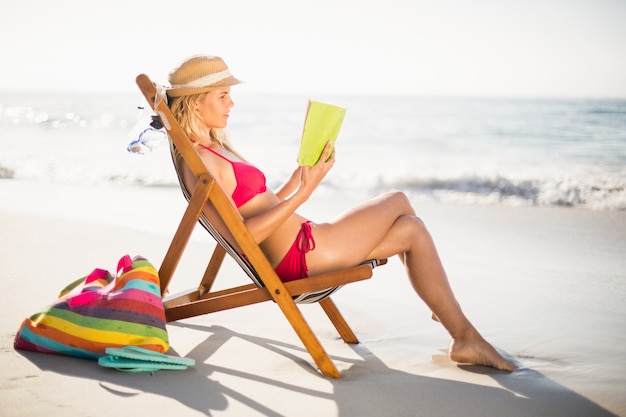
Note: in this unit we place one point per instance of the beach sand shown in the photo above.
(544, 285)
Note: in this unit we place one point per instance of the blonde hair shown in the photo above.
(183, 110)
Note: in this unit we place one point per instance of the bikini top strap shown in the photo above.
(217, 153)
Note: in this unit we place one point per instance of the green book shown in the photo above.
(321, 124)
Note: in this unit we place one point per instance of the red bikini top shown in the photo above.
(250, 180)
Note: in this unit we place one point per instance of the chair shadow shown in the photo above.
(368, 386)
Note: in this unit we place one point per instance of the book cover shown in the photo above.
(321, 124)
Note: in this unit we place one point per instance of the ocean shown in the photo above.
(515, 152)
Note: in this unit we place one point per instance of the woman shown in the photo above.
(200, 99)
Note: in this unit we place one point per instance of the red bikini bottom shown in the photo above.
(293, 266)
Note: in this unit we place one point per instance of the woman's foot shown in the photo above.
(475, 350)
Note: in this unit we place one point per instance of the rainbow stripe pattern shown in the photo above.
(101, 311)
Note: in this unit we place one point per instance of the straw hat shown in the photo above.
(199, 74)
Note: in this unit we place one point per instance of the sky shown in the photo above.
(523, 48)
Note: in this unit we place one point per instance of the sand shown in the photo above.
(544, 285)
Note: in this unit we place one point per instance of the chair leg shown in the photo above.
(211, 270)
(308, 338)
(338, 321)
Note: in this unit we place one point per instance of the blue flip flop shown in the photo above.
(136, 359)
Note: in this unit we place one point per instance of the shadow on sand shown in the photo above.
(360, 392)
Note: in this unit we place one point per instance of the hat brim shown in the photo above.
(188, 91)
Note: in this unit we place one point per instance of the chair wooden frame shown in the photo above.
(201, 300)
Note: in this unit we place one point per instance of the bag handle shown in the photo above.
(83, 296)
(124, 265)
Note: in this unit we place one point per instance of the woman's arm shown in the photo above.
(291, 185)
(262, 224)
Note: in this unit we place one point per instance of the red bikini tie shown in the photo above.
(306, 243)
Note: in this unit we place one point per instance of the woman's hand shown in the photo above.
(305, 179)
(312, 176)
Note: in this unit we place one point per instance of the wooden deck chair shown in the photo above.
(208, 205)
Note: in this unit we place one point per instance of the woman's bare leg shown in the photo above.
(430, 281)
(386, 227)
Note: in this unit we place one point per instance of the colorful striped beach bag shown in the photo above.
(101, 311)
